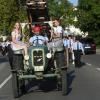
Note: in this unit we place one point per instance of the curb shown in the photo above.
(98, 50)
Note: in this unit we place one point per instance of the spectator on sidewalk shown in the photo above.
(70, 43)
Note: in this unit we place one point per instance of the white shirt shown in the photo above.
(58, 29)
(74, 46)
(57, 32)
(65, 42)
(70, 43)
(41, 39)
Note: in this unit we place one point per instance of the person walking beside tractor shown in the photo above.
(70, 42)
(77, 48)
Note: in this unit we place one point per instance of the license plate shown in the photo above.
(87, 47)
(38, 68)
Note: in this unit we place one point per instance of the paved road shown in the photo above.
(83, 83)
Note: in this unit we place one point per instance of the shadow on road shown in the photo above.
(81, 64)
(70, 78)
(3, 59)
(41, 85)
(49, 84)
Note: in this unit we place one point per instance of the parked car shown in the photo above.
(89, 45)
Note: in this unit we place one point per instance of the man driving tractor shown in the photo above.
(37, 38)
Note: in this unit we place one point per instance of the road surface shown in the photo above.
(83, 83)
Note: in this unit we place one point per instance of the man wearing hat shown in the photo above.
(37, 38)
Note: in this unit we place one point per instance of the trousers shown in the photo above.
(77, 55)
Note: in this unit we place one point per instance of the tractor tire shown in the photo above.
(64, 82)
(17, 85)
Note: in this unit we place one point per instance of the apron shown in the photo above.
(56, 45)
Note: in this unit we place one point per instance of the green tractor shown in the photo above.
(43, 63)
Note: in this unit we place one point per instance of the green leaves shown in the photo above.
(9, 13)
(61, 9)
(89, 17)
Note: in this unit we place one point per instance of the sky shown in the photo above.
(75, 2)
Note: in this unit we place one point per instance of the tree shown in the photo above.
(61, 9)
(13, 10)
(89, 18)
(10, 12)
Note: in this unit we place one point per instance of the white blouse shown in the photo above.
(77, 46)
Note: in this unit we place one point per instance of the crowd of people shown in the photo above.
(75, 49)
(57, 38)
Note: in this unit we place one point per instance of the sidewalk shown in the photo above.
(98, 50)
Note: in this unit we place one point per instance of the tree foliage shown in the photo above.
(61, 9)
(13, 10)
(10, 12)
(89, 17)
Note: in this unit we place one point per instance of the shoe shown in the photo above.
(27, 63)
(26, 57)
(73, 62)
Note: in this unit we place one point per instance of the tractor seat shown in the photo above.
(16, 50)
(20, 51)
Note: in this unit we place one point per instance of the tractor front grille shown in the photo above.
(38, 58)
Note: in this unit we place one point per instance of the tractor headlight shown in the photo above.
(49, 55)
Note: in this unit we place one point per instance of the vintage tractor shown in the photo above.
(43, 62)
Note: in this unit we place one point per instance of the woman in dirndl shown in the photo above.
(16, 43)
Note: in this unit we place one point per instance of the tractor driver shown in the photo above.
(37, 38)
